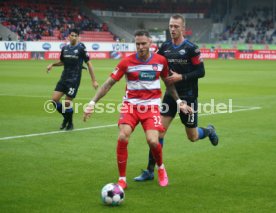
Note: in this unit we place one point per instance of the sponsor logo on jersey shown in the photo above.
(147, 75)
(71, 56)
(179, 61)
(182, 52)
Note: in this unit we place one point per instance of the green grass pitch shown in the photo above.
(43, 169)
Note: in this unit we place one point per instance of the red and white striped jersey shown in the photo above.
(142, 78)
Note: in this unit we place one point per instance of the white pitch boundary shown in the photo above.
(107, 126)
(49, 97)
(79, 98)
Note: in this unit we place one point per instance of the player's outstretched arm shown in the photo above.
(103, 90)
(50, 66)
(92, 74)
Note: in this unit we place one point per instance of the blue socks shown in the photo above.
(161, 140)
(202, 132)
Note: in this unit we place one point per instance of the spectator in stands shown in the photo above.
(254, 26)
(26, 19)
(104, 27)
(116, 38)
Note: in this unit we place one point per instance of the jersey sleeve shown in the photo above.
(61, 57)
(195, 55)
(84, 53)
(198, 66)
(160, 51)
(119, 71)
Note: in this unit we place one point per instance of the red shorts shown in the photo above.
(149, 116)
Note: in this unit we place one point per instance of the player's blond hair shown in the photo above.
(178, 16)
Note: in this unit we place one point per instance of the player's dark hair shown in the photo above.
(74, 31)
(142, 33)
(178, 16)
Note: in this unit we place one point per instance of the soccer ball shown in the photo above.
(112, 194)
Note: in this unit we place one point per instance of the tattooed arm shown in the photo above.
(104, 89)
(100, 93)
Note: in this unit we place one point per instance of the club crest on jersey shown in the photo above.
(182, 52)
(147, 75)
(76, 51)
(155, 67)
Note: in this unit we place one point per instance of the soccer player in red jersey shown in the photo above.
(141, 102)
(186, 67)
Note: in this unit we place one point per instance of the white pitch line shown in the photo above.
(56, 132)
(237, 110)
(105, 100)
(49, 97)
(107, 126)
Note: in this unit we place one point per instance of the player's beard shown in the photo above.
(143, 54)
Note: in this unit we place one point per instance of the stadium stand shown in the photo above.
(223, 21)
(50, 21)
(252, 26)
(153, 6)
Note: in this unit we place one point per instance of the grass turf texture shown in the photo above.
(65, 172)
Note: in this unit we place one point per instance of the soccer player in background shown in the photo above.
(141, 102)
(186, 67)
(72, 57)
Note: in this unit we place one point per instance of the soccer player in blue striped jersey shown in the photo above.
(186, 67)
(72, 57)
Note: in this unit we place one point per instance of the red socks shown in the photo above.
(122, 155)
(157, 154)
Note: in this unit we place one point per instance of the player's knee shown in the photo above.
(162, 134)
(152, 142)
(67, 103)
(123, 136)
